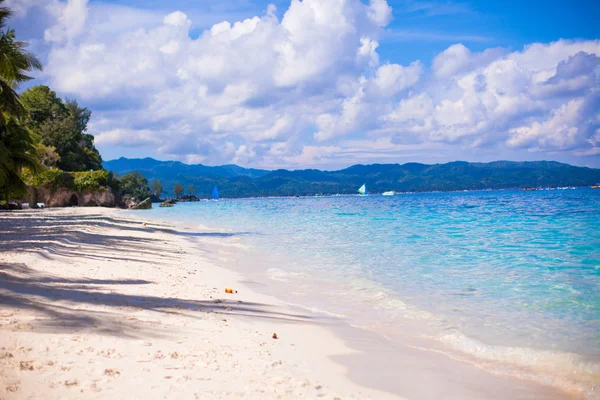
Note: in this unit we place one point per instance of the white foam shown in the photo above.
(281, 275)
(567, 371)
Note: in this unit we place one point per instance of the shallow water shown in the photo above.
(505, 275)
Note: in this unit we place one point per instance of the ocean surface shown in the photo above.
(510, 277)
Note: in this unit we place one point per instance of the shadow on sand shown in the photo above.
(62, 304)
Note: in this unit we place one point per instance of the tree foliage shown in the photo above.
(133, 186)
(157, 188)
(177, 190)
(17, 151)
(86, 180)
(17, 145)
(62, 126)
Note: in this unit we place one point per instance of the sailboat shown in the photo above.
(363, 190)
(215, 193)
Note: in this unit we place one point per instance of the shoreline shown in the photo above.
(97, 304)
(178, 309)
(389, 317)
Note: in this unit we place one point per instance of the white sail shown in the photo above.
(363, 189)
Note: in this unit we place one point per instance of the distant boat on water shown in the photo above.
(389, 193)
(363, 190)
(596, 186)
(215, 193)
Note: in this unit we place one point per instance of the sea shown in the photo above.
(500, 278)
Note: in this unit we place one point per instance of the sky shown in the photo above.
(325, 83)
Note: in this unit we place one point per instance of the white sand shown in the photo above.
(93, 304)
(96, 305)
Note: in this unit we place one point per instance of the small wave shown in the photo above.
(278, 274)
(380, 298)
(566, 371)
(315, 310)
(223, 243)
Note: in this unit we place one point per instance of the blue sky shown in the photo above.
(326, 83)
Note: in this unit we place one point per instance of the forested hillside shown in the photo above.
(234, 181)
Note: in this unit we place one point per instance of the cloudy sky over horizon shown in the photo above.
(325, 83)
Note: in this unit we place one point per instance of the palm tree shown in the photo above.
(17, 146)
(17, 151)
(15, 63)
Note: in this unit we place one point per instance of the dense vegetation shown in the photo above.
(378, 177)
(61, 127)
(78, 181)
(132, 187)
(17, 144)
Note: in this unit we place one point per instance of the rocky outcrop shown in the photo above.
(168, 203)
(63, 197)
(143, 205)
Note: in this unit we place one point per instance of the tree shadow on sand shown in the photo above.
(72, 235)
(62, 304)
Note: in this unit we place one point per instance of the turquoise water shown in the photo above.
(501, 268)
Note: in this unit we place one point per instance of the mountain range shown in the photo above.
(236, 181)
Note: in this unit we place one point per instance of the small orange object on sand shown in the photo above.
(230, 290)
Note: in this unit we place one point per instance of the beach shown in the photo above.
(100, 303)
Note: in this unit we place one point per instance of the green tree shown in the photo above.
(177, 190)
(17, 151)
(15, 64)
(157, 188)
(134, 186)
(47, 155)
(63, 126)
(17, 145)
(191, 189)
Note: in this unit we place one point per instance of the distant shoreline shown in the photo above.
(238, 182)
(380, 194)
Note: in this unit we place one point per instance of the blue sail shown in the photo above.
(215, 193)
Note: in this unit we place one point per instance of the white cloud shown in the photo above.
(300, 90)
(380, 12)
(509, 100)
(567, 125)
(177, 18)
(70, 18)
(127, 137)
(20, 8)
(360, 110)
(391, 79)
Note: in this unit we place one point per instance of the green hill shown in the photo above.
(235, 181)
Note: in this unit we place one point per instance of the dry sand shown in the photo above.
(96, 304)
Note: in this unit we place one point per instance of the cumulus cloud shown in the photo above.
(70, 20)
(126, 137)
(512, 99)
(300, 89)
(360, 110)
